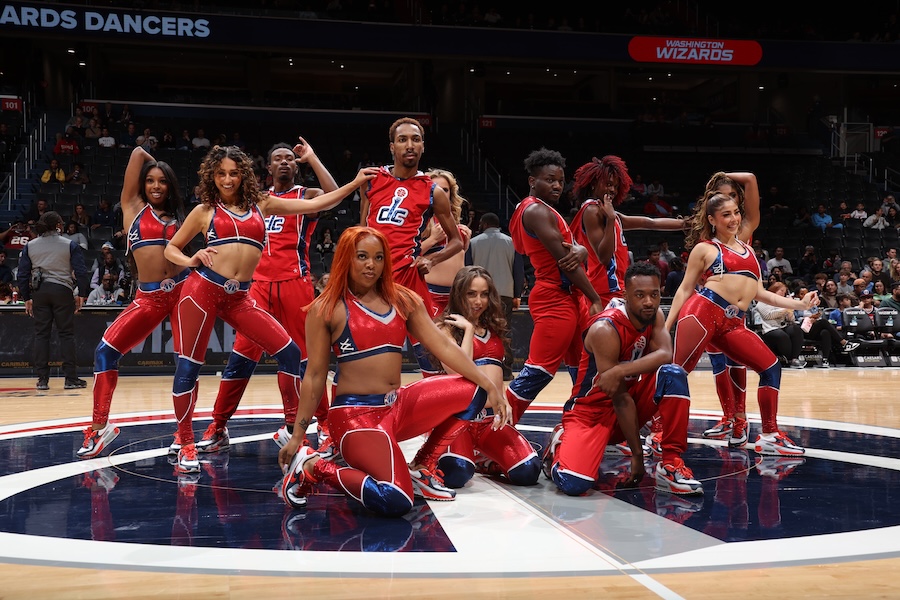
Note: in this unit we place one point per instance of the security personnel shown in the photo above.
(46, 285)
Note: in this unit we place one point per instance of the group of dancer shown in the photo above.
(591, 312)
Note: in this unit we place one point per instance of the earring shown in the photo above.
(713, 229)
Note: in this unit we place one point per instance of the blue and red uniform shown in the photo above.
(607, 280)
(208, 295)
(556, 309)
(367, 428)
(708, 319)
(506, 447)
(589, 418)
(282, 287)
(153, 301)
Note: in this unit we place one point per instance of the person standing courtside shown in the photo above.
(494, 250)
(45, 284)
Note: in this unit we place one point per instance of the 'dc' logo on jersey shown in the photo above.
(393, 214)
(274, 223)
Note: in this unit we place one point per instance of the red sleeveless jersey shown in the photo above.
(545, 268)
(368, 333)
(286, 255)
(608, 280)
(148, 229)
(227, 227)
(400, 209)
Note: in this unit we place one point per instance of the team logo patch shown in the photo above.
(731, 311)
(390, 397)
(231, 286)
(167, 285)
(640, 343)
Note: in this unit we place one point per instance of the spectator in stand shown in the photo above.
(126, 116)
(836, 316)
(81, 217)
(761, 259)
(200, 141)
(654, 259)
(841, 213)
(36, 211)
(819, 280)
(822, 220)
(876, 220)
(894, 300)
(832, 263)
(828, 294)
(77, 114)
(780, 331)
(775, 276)
(103, 216)
(325, 247)
(78, 175)
(76, 236)
(184, 142)
(657, 207)
(53, 173)
(6, 293)
(236, 140)
(772, 201)
(106, 140)
(129, 138)
(92, 133)
(802, 218)
(657, 188)
(879, 274)
(860, 212)
(780, 261)
(675, 277)
(108, 116)
(638, 187)
(845, 281)
(860, 286)
(892, 217)
(17, 235)
(108, 293)
(107, 264)
(890, 202)
(880, 293)
(808, 265)
(894, 270)
(167, 141)
(757, 245)
(664, 252)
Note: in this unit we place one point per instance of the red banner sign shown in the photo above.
(695, 51)
(11, 103)
(487, 122)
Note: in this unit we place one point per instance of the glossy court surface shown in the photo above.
(824, 525)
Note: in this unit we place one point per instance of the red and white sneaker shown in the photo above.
(676, 478)
(720, 430)
(653, 444)
(187, 459)
(282, 436)
(96, 441)
(777, 444)
(175, 446)
(778, 467)
(214, 439)
(430, 485)
(297, 483)
(739, 433)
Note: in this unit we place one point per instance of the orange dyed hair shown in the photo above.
(401, 298)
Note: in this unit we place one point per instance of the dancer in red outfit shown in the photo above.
(399, 202)
(625, 376)
(539, 232)
(601, 185)
(152, 209)
(715, 313)
(281, 286)
(232, 218)
(365, 317)
(474, 319)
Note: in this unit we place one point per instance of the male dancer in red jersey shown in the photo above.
(539, 232)
(399, 203)
(281, 286)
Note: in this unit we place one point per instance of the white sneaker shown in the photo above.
(282, 436)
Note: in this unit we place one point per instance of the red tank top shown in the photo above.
(608, 280)
(545, 268)
(286, 255)
(729, 261)
(400, 209)
(487, 349)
